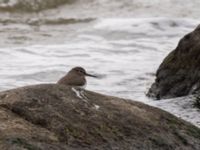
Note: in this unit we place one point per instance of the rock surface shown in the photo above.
(179, 73)
(197, 101)
(53, 117)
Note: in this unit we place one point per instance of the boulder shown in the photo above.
(197, 101)
(58, 117)
(179, 73)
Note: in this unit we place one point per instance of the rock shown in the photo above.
(197, 101)
(179, 73)
(53, 117)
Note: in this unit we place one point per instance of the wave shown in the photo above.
(100, 8)
(58, 21)
(44, 21)
(31, 5)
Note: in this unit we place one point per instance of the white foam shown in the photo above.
(182, 107)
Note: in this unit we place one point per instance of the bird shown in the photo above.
(76, 77)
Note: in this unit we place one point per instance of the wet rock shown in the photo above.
(179, 73)
(52, 117)
(197, 101)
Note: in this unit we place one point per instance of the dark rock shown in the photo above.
(52, 117)
(197, 101)
(179, 73)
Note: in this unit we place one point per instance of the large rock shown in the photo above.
(179, 73)
(53, 117)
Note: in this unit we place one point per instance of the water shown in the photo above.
(119, 40)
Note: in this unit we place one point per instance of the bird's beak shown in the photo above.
(90, 75)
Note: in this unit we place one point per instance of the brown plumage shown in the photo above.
(75, 77)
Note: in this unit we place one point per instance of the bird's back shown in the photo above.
(72, 80)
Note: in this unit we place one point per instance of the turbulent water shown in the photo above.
(122, 41)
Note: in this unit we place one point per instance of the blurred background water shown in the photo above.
(123, 41)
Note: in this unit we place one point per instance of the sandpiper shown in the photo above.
(76, 78)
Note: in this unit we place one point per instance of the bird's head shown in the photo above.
(81, 71)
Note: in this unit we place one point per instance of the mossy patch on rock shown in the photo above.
(20, 143)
